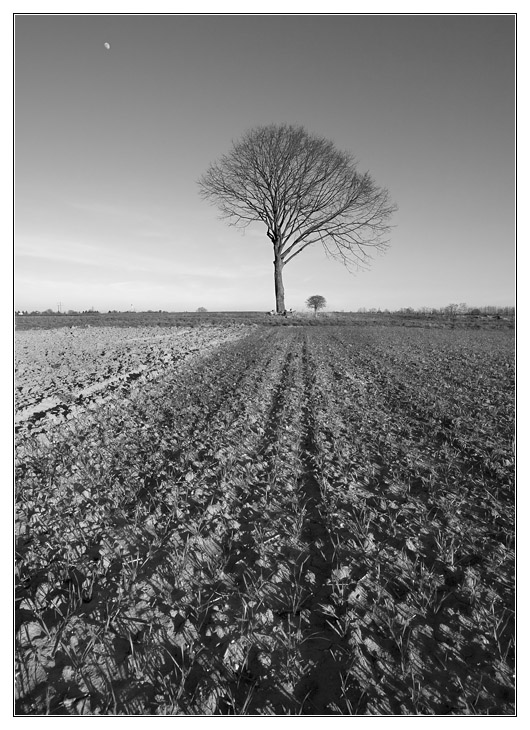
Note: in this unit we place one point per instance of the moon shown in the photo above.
(107, 46)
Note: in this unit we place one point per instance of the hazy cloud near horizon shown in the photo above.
(110, 143)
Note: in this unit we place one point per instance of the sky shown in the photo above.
(109, 145)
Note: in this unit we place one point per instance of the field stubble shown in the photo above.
(303, 521)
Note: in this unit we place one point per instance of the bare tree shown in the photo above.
(316, 302)
(304, 191)
(451, 310)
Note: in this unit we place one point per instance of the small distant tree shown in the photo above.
(202, 309)
(316, 302)
(451, 309)
(450, 312)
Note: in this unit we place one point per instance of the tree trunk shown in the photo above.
(278, 285)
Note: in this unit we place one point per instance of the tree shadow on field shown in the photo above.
(324, 651)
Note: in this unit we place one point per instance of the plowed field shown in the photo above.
(294, 521)
(61, 373)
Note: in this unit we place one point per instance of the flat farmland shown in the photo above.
(62, 373)
(269, 521)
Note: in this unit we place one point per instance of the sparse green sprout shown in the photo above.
(293, 523)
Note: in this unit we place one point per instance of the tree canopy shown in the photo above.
(304, 191)
(316, 302)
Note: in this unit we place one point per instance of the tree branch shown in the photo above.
(304, 191)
